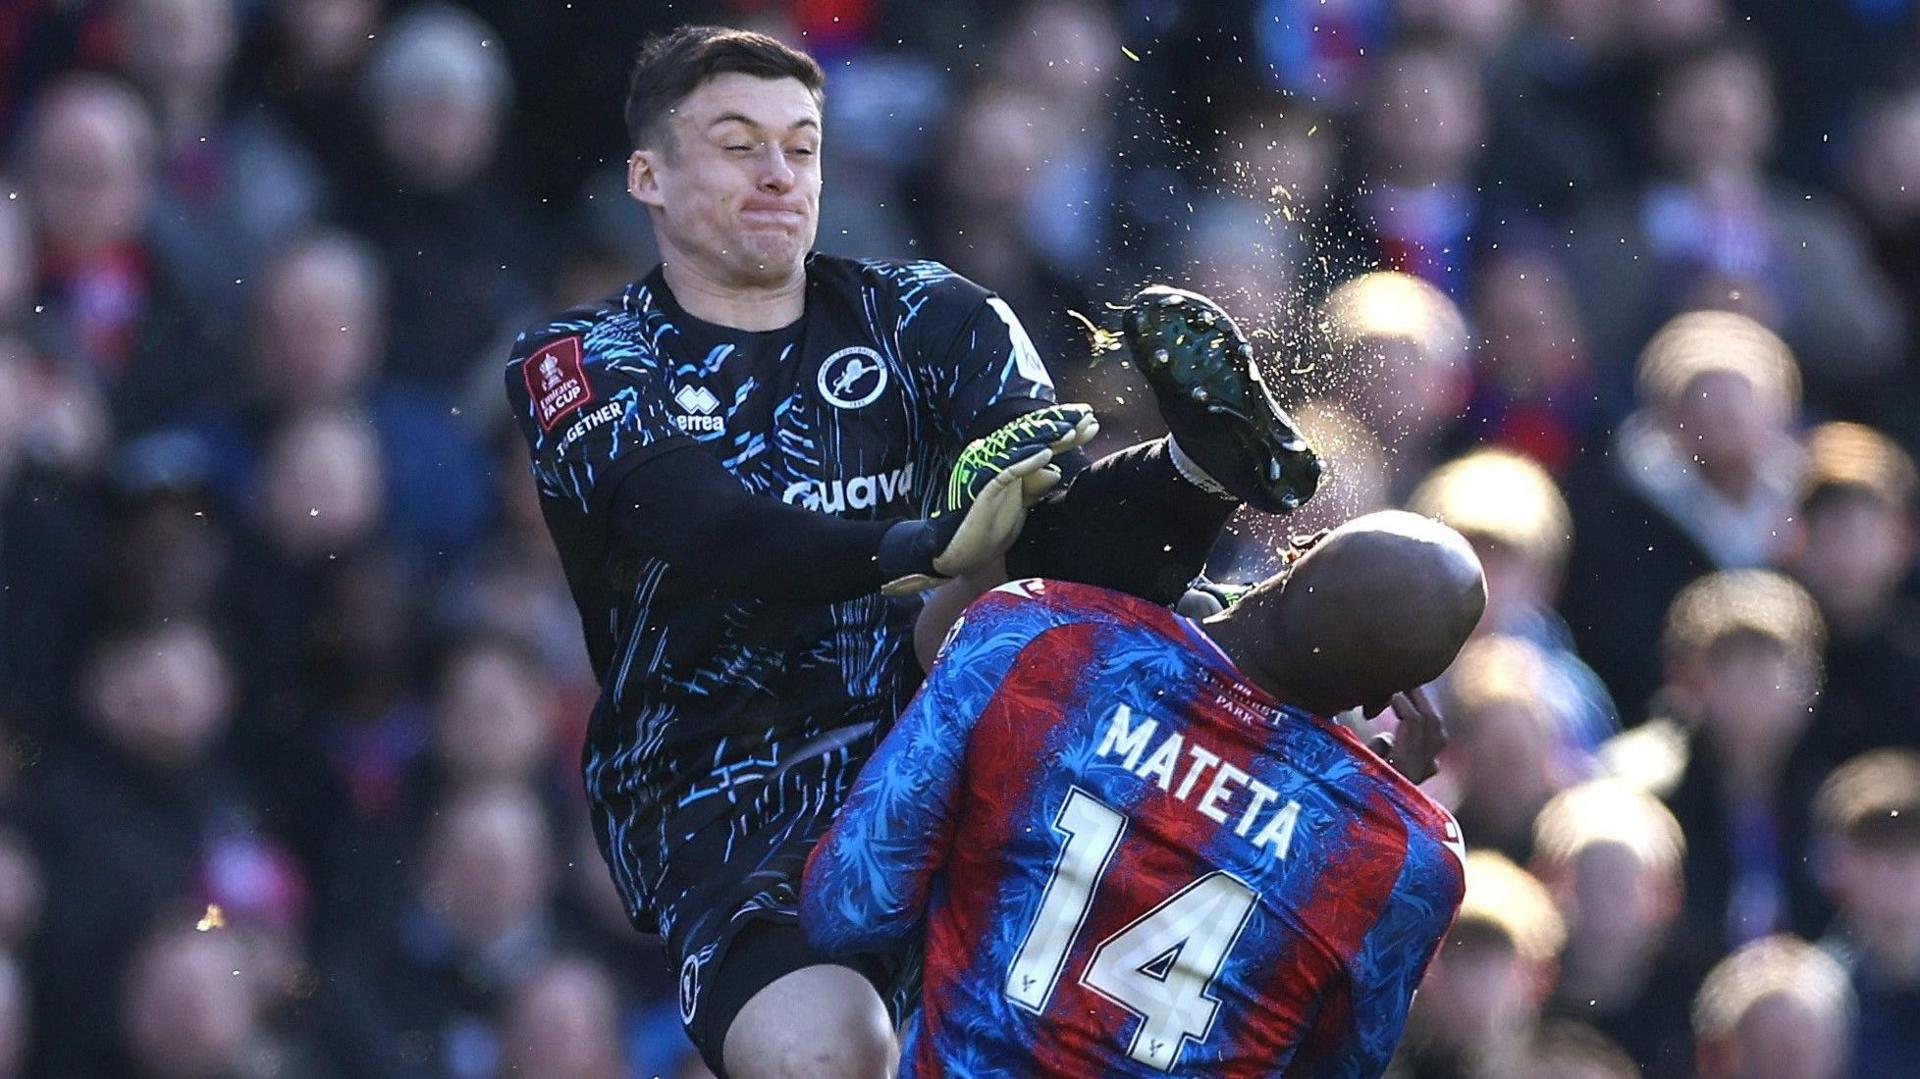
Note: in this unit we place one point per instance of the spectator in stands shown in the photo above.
(318, 343)
(562, 1021)
(461, 257)
(232, 182)
(1420, 143)
(188, 1016)
(1868, 814)
(113, 307)
(1568, 1050)
(1778, 1008)
(57, 419)
(1480, 1002)
(1716, 232)
(309, 62)
(1853, 549)
(1534, 388)
(1611, 857)
(147, 815)
(352, 736)
(491, 721)
(169, 550)
(1508, 752)
(1512, 512)
(1274, 176)
(1066, 54)
(321, 494)
(1555, 141)
(318, 511)
(987, 176)
(1881, 163)
(1700, 477)
(420, 988)
(1397, 358)
(1742, 650)
(1832, 56)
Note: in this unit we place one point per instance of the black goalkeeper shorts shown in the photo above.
(727, 900)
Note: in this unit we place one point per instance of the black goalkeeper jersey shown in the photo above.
(732, 719)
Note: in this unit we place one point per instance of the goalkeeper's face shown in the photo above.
(733, 181)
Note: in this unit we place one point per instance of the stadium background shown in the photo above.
(293, 690)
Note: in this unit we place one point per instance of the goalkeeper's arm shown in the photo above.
(687, 510)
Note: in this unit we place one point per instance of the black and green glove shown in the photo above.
(979, 514)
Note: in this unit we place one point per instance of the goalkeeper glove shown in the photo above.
(994, 480)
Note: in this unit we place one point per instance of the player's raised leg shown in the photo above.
(1143, 520)
(1224, 422)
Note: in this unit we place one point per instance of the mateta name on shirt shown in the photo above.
(1221, 801)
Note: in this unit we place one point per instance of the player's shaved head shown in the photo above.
(1378, 606)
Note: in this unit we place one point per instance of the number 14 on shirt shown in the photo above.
(1159, 966)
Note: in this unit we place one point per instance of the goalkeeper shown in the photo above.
(752, 459)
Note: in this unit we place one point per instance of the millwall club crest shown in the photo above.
(852, 377)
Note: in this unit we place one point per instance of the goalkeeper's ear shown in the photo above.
(643, 181)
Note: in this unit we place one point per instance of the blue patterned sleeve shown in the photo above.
(1394, 957)
(867, 881)
(591, 405)
(971, 348)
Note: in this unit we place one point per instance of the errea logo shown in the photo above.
(697, 399)
(698, 404)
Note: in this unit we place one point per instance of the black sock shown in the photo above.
(1129, 522)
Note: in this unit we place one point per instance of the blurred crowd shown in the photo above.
(292, 692)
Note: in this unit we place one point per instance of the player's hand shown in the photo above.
(1085, 427)
(995, 479)
(1059, 427)
(1414, 747)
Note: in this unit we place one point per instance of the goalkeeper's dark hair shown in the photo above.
(672, 65)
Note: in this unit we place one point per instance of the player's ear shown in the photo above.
(643, 177)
